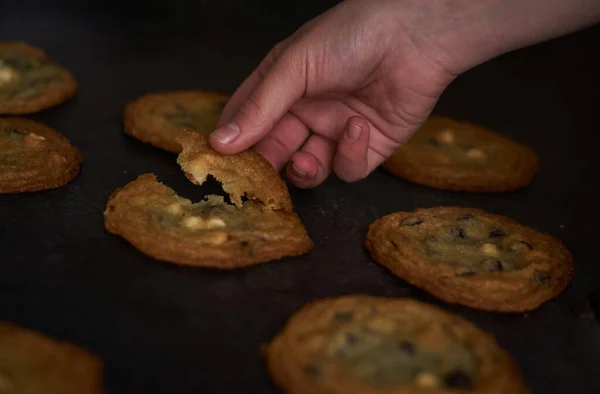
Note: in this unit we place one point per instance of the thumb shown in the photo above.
(279, 88)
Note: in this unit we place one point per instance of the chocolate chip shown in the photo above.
(15, 132)
(458, 380)
(406, 348)
(343, 316)
(465, 216)
(458, 233)
(465, 271)
(351, 339)
(312, 370)
(466, 147)
(497, 233)
(541, 277)
(520, 246)
(433, 142)
(18, 61)
(431, 245)
(412, 222)
(493, 265)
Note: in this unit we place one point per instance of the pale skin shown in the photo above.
(352, 85)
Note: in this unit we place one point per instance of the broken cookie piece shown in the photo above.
(211, 233)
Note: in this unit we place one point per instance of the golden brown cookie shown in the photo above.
(30, 81)
(31, 363)
(359, 344)
(160, 118)
(451, 155)
(471, 257)
(34, 157)
(211, 233)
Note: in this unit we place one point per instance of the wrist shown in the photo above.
(465, 33)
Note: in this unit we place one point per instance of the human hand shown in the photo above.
(352, 85)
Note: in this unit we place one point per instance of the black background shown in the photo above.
(167, 329)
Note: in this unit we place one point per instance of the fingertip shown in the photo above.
(350, 162)
(222, 138)
(303, 170)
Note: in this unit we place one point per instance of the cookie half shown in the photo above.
(211, 233)
(471, 257)
(360, 344)
(35, 364)
(30, 81)
(34, 157)
(452, 155)
(160, 118)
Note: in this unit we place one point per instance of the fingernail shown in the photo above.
(226, 134)
(297, 172)
(353, 132)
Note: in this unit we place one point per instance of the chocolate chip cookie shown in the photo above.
(451, 155)
(34, 157)
(471, 257)
(259, 225)
(30, 81)
(160, 118)
(367, 345)
(31, 363)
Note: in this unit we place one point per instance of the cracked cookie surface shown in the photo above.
(34, 157)
(359, 344)
(211, 233)
(160, 118)
(471, 257)
(452, 155)
(30, 81)
(32, 363)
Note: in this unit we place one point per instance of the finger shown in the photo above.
(250, 83)
(350, 161)
(281, 86)
(326, 117)
(283, 141)
(312, 165)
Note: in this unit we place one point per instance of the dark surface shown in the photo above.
(166, 329)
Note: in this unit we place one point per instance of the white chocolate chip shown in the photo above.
(426, 380)
(216, 238)
(174, 208)
(446, 136)
(193, 222)
(489, 249)
(7, 75)
(36, 137)
(215, 222)
(381, 325)
(476, 154)
(56, 157)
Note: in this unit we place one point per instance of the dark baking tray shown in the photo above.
(167, 329)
